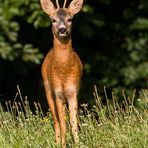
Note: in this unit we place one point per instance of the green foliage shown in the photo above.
(10, 46)
(110, 36)
(120, 36)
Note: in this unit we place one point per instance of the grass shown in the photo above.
(102, 126)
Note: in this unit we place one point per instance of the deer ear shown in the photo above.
(75, 6)
(47, 7)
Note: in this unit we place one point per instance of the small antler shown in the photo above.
(65, 2)
(57, 3)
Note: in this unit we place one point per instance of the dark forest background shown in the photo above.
(110, 36)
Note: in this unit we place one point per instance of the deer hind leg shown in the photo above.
(52, 106)
(60, 104)
(73, 109)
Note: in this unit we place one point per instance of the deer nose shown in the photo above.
(62, 30)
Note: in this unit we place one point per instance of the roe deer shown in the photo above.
(62, 69)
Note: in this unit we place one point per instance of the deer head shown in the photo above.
(61, 17)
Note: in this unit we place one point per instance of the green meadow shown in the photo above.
(102, 126)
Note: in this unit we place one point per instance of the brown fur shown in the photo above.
(62, 71)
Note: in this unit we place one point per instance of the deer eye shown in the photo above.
(69, 20)
(54, 21)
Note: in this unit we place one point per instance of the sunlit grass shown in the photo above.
(102, 126)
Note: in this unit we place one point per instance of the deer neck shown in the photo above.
(62, 50)
(62, 46)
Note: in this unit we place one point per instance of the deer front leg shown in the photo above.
(60, 104)
(51, 103)
(53, 109)
(73, 109)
